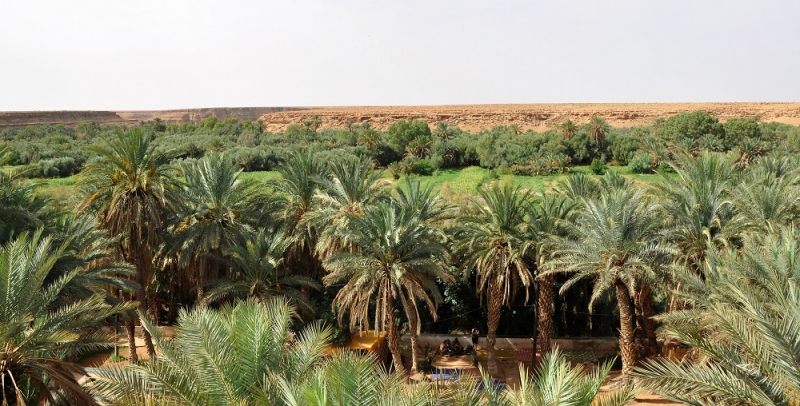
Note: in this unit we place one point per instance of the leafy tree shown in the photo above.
(394, 256)
(492, 242)
(209, 123)
(691, 126)
(128, 189)
(402, 132)
(739, 129)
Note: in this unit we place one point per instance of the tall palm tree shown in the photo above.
(568, 129)
(394, 257)
(492, 242)
(128, 188)
(236, 355)
(42, 330)
(258, 272)
(428, 207)
(598, 129)
(548, 224)
(744, 321)
(217, 208)
(620, 246)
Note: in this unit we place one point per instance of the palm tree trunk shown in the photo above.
(546, 310)
(495, 302)
(391, 335)
(413, 324)
(148, 339)
(410, 307)
(649, 324)
(130, 327)
(627, 347)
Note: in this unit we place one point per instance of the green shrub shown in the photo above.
(640, 164)
(598, 167)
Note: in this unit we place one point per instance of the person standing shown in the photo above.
(475, 334)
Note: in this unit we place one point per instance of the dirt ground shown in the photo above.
(538, 117)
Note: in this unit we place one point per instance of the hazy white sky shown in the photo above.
(146, 54)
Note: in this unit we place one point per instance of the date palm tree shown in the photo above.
(699, 209)
(129, 189)
(568, 129)
(598, 129)
(217, 208)
(301, 178)
(23, 209)
(42, 329)
(549, 222)
(444, 131)
(619, 249)
(351, 187)
(258, 271)
(428, 207)
(744, 321)
(235, 355)
(369, 137)
(492, 242)
(394, 256)
(767, 198)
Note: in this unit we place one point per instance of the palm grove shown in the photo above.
(708, 253)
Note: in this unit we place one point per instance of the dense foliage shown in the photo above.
(415, 146)
(707, 252)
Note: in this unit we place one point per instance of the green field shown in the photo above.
(453, 181)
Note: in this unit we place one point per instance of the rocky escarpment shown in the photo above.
(195, 115)
(538, 117)
(22, 119)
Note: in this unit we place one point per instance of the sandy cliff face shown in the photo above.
(538, 117)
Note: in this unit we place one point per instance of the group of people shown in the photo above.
(455, 347)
